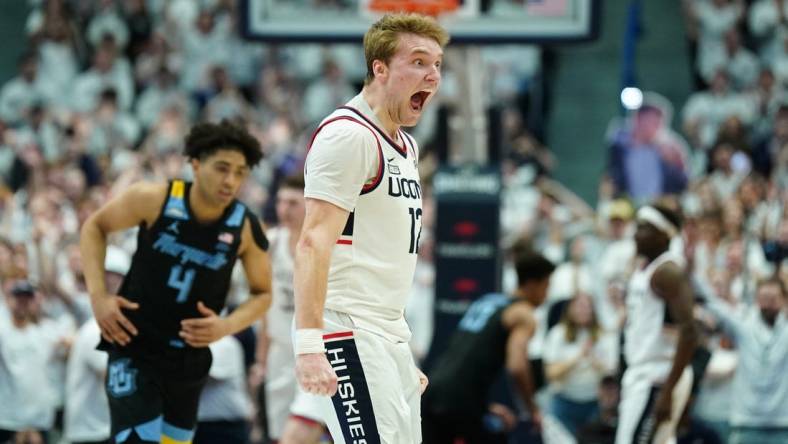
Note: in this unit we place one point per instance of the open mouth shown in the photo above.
(418, 100)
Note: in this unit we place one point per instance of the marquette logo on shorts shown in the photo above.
(352, 402)
(121, 380)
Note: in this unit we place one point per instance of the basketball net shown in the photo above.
(425, 7)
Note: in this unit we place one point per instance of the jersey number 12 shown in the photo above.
(415, 216)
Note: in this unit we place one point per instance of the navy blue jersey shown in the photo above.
(180, 261)
(462, 376)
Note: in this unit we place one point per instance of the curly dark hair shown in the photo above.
(206, 138)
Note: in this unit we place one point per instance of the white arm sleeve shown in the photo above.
(343, 157)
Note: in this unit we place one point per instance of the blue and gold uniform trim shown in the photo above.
(158, 430)
(237, 216)
(171, 434)
(176, 207)
(147, 431)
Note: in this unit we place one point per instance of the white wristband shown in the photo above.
(309, 340)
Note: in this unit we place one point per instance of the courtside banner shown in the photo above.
(467, 257)
(352, 402)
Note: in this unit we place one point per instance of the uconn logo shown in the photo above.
(121, 380)
(407, 188)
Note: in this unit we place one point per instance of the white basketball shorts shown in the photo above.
(637, 423)
(378, 399)
(280, 386)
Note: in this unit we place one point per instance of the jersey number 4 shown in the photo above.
(181, 280)
(415, 216)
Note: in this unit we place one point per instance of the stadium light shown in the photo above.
(631, 98)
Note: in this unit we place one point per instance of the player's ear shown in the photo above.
(379, 68)
(195, 164)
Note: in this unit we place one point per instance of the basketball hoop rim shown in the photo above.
(434, 8)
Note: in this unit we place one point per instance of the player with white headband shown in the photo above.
(659, 337)
(654, 217)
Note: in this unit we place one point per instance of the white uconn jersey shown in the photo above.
(355, 165)
(646, 340)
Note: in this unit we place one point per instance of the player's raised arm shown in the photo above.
(140, 203)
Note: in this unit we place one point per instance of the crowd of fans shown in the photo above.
(107, 90)
(725, 171)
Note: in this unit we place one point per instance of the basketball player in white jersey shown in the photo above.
(275, 338)
(355, 259)
(659, 336)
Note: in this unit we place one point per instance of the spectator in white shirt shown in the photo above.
(577, 355)
(714, 398)
(767, 97)
(108, 71)
(573, 276)
(724, 178)
(21, 92)
(156, 55)
(779, 61)
(28, 344)
(759, 411)
(706, 110)
(160, 94)
(107, 20)
(330, 90)
(741, 64)
(752, 258)
(58, 43)
(715, 17)
(616, 262)
(113, 128)
(618, 255)
(204, 46)
(767, 23)
(227, 101)
(86, 418)
(225, 406)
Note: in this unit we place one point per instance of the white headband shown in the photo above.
(655, 218)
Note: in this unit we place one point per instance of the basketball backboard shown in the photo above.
(470, 21)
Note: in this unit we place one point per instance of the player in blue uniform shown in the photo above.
(158, 327)
(493, 335)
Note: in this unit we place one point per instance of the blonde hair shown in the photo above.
(382, 38)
